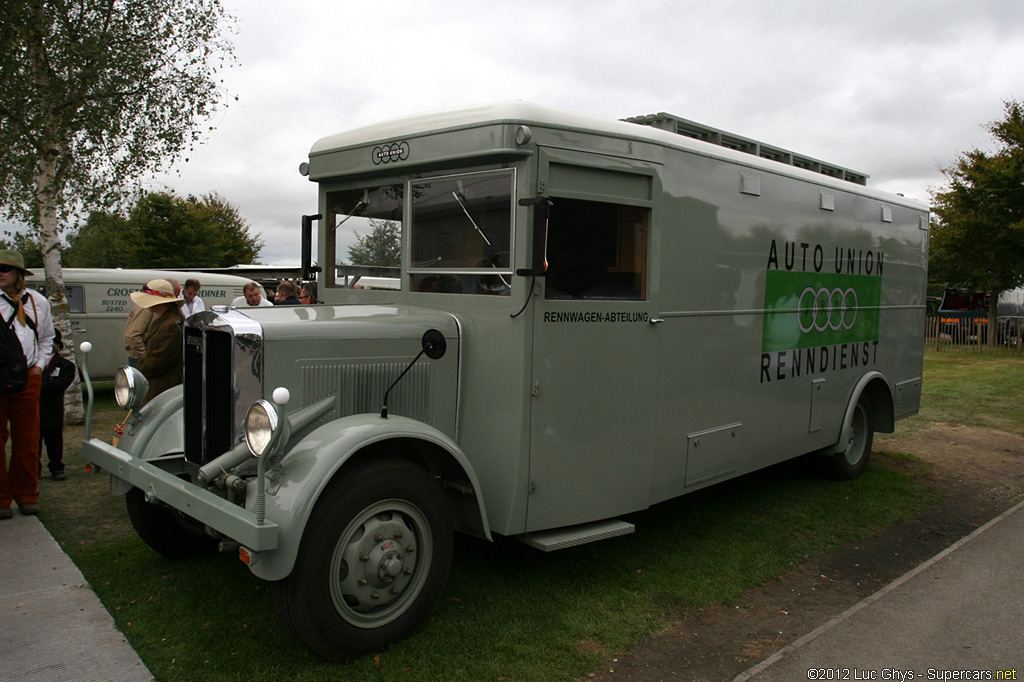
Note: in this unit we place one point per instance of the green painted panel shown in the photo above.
(808, 309)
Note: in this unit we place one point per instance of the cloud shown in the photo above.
(893, 89)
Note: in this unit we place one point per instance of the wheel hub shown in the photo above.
(378, 564)
(856, 437)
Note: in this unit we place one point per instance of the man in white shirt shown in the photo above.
(27, 313)
(193, 304)
(253, 297)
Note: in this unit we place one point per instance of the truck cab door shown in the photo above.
(594, 346)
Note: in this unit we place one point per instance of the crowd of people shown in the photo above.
(34, 376)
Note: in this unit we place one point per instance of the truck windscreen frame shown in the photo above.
(460, 228)
(364, 237)
(461, 232)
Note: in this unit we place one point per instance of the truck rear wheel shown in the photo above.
(165, 530)
(373, 561)
(851, 461)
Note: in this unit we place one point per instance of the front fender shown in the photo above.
(296, 483)
(156, 430)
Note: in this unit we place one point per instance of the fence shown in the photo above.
(970, 335)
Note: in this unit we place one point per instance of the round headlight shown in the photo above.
(130, 387)
(260, 424)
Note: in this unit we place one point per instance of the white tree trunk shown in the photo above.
(47, 196)
(49, 240)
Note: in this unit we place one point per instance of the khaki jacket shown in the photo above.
(138, 321)
(163, 362)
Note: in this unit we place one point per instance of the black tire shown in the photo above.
(373, 561)
(165, 530)
(851, 461)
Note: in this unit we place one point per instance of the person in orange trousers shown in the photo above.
(27, 313)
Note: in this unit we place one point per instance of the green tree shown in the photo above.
(94, 94)
(232, 243)
(28, 246)
(381, 247)
(165, 231)
(977, 239)
(101, 242)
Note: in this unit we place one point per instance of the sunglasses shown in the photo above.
(6, 268)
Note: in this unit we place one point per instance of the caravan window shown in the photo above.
(596, 250)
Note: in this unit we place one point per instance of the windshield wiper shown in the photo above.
(466, 211)
(487, 241)
(360, 205)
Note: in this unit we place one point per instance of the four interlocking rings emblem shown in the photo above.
(387, 153)
(826, 309)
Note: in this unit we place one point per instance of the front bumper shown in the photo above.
(235, 522)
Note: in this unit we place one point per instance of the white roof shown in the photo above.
(470, 116)
(525, 113)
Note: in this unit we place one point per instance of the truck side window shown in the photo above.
(364, 237)
(596, 250)
(461, 233)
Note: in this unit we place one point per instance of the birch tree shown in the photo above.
(94, 95)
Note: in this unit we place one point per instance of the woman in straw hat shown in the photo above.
(163, 361)
(27, 313)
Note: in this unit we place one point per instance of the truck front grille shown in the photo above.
(223, 376)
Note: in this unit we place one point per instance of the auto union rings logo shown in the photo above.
(826, 309)
(388, 153)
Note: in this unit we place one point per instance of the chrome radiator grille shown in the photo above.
(223, 376)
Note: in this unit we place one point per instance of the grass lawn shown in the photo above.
(510, 612)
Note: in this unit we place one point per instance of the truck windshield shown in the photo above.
(461, 231)
(365, 237)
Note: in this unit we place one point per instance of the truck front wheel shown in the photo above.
(166, 530)
(372, 563)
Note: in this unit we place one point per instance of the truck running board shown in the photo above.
(570, 536)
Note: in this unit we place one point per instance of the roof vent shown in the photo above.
(699, 131)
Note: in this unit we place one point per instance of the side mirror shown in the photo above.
(307, 245)
(433, 346)
(539, 256)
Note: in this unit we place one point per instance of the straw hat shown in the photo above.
(14, 259)
(155, 292)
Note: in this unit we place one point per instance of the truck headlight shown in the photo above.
(260, 425)
(130, 387)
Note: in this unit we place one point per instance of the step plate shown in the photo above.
(571, 536)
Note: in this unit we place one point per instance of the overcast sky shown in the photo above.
(895, 89)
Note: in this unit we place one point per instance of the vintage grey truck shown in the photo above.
(583, 318)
